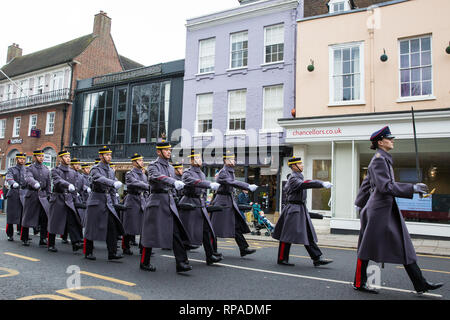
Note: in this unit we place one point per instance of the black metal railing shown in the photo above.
(119, 151)
(36, 99)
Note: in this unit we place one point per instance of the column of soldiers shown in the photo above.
(169, 211)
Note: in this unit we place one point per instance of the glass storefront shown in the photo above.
(434, 159)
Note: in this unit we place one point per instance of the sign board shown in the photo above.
(35, 133)
(47, 160)
(15, 141)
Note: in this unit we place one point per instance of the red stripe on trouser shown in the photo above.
(143, 256)
(84, 246)
(7, 228)
(21, 230)
(281, 257)
(358, 274)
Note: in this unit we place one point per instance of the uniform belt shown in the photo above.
(193, 196)
(224, 193)
(296, 202)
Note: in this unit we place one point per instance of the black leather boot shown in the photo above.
(183, 267)
(247, 251)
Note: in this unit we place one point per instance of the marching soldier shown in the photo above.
(178, 167)
(102, 220)
(229, 223)
(36, 207)
(162, 227)
(63, 216)
(384, 237)
(197, 221)
(15, 178)
(294, 225)
(137, 191)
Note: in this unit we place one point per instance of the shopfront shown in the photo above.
(337, 149)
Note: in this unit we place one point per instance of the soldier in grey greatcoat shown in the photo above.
(36, 206)
(15, 179)
(137, 192)
(86, 178)
(294, 225)
(102, 221)
(229, 223)
(196, 220)
(162, 227)
(63, 216)
(83, 189)
(384, 237)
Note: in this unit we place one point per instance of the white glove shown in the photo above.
(179, 185)
(420, 188)
(71, 188)
(88, 190)
(358, 209)
(253, 187)
(327, 184)
(214, 186)
(117, 185)
(117, 195)
(37, 185)
(15, 185)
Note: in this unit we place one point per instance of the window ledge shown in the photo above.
(272, 65)
(233, 71)
(206, 75)
(416, 98)
(236, 133)
(347, 103)
(264, 131)
(201, 135)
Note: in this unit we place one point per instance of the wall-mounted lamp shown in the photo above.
(448, 48)
(311, 66)
(293, 112)
(384, 56)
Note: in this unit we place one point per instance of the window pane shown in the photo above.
(404, 61)
(416, 89)
(404, 74)
(426, 58)
(426, 88)
(426, 44)
(405, 89)
(415, 74)
(415, 60)
(415, 45)
(426, 73)
(404, 47)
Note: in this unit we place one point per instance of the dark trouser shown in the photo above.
(177, 246)
(313, 250)
(72, 228)
(238, 233)
(111, 237)
(126, 240)
(207, 236)
(413, 271)
(24, 234)
(10, 229)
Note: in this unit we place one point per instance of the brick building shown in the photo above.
(36, 90)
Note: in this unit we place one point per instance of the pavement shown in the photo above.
(326, 238)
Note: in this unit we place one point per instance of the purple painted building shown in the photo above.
(239, 79)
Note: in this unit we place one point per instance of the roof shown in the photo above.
(62, 53)
(129, 64)
(320, 7)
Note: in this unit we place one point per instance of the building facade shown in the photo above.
(128, 112)
(364, 78)
(36, 91)
(240, 78)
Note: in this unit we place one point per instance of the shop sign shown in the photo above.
(35, 133)
(15, 141)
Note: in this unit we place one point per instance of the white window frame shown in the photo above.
(16, 127)
(197, 133)
(47, 123)
(236, 34)
(200, 57)
(279, 129)
(332, 4)
(9, 92)
(2, 128)
(240, 131)
(265, 43)
(57, 81)
(30, 123)
(24, 88)
(421, 97)
(361, 99)
(39, 86)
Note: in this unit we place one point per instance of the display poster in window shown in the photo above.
(415, 204)
(47, 161)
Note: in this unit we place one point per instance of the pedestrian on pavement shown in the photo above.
(294, 224)
(137, 193)
(196, 220)
(15, 179)
(162, 227)
(229, 222)
(36, 206)
(63, 217)
(384, 237)
(102, 220)
(244, 199)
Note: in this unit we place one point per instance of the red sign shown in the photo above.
(36, 133)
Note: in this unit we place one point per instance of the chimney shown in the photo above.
(13, 51)
(102, 24)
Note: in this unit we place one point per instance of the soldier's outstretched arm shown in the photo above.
(29, 178)
(296, 183)
(58, 180)
(156, 176)
(131, 181)
(192, 181)
(379, 173)
(10, 177)
(224, 178)
(97, 177)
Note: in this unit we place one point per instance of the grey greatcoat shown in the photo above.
(82, 184)
(295, 222)
(161, 210)
(194, 193)
(36, 198)
(225, 222)
(137, 192)
(383, 236)
(61, 200)
(15, 196)
(100, 203)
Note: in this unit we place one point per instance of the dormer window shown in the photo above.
(339, 6)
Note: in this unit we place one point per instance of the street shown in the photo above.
(34, 273)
